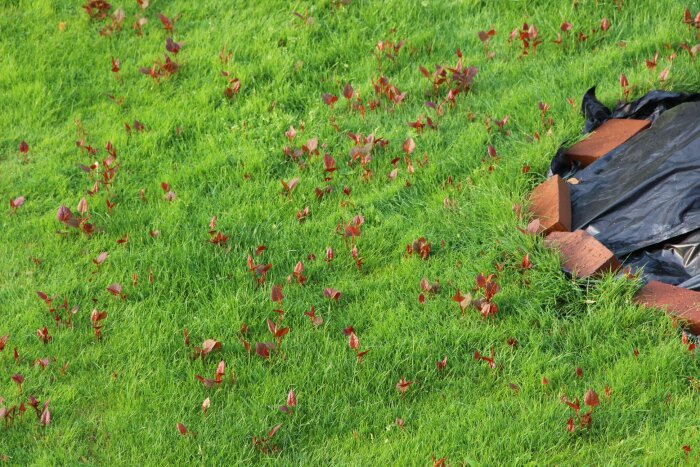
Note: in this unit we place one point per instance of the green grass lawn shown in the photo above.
(120, 398)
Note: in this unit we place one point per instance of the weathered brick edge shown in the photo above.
(608, 136)
(582, 254)
(550, 202)
(676, 301)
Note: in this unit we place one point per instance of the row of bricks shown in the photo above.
(582, 255)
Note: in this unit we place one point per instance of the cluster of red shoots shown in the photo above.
(584, 420)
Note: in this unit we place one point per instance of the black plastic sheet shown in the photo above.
(648, 107)
(642, 200)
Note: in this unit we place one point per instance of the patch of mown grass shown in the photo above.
(120, 398)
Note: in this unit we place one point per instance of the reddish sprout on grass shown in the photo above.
(409, 146)
(208, 346)
(97, 9)
(491, 151)
(42, 362)
(332, 294)
(263, 349)
(420, 247)
(298, 273)
(276, 294)
(182, 429)
(116, 290)
(289, 186)
(348, 92)
(16, 203)
(464, 301)
(315, 319)
(490, 359)
(96, 317)
(353, 341)
(264, 443)
(403, 386)
(303, 214)
(329, 99)
(172, 46)
(218, 376)
(45, 418)
(258, 271)
(19, 380)
(290, 134)
(24, 150)
(168, 23)
(43, 335)
(291, 402)
(361, 355)
(485, 38)
(100, 258)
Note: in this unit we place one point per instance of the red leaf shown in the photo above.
(353, 341)
(115, 289)
(329, 99)
(273, 431)
(276, 294)
(402, 386)
(570, 426)
(100, 258)
(262, 350)
(168, 23)
(623, 81)
(43, 335)
(208, 346)
(575, 405)
(441, 364)
(45, 416)
(23, 147)
(409, 146)
(291, 398)
(348, 91)
(462, 300)
(182, 429)
(328, 163)
(17, 202)
(604, 24)
(289, 186)
(360, 355)
(332, 294)
(591, 398)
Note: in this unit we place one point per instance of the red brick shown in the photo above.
(605, 138)
(550, 202)
(676, 301)
(582, 255)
